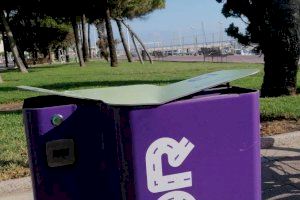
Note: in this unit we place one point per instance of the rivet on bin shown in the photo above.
(57, 119)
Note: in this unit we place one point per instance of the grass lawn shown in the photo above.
(13, 156)
(13, 152)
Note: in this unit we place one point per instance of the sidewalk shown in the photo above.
(280, 173)
(16, 189)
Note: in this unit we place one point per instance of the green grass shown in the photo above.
(13, 157)
(13, 153)
(99, 74)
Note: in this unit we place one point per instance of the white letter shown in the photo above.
(177, 153)
(177, 195)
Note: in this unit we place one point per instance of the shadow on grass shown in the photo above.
(9, 163)
(8, 89)
(8, 70)
(15, 111)
(267, 118)
(33, 69)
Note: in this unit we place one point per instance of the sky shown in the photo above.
(181, 21)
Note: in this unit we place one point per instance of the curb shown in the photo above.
(15, 185)
(280, 140)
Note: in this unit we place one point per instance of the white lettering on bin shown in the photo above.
(177, 152)
(177, 195)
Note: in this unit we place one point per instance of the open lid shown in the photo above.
(137, 95)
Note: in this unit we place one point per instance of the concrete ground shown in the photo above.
(16, 189)
(280, 172)
(27, 195)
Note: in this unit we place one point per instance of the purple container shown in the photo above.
(203, 147)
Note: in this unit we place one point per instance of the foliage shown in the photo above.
(264, 19)
(57, 31)
(274, 26)
(35, 32)
(134, 8)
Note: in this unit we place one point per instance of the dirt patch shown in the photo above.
(11, 107)
(279, 126)
(15, 172)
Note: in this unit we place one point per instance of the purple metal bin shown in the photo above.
(205, 147)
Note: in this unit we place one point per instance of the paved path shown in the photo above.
(280, 172)
(230, 59)
(16, 189)
(27, 195)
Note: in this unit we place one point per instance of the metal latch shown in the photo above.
(60, 152)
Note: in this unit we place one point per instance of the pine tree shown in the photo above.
(274, 26)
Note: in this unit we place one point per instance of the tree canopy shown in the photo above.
(38, 25)
(34, 32)
(134, 8)
(274, 26)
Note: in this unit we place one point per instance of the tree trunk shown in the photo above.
(125, 45)
(22, 55)
(102, 42)
(136, 49)
(12, 43)
(35, 56)
(89, 41)
(5, 50)
(280, 73)
(138, 39)
(50, 55)
(77, 41)
(281, 63)
(111, 40)
(66, 49)
(5, 56)
(85, 45)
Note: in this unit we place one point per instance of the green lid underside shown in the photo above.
(137, 95)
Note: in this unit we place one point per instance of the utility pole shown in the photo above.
(202, 24)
